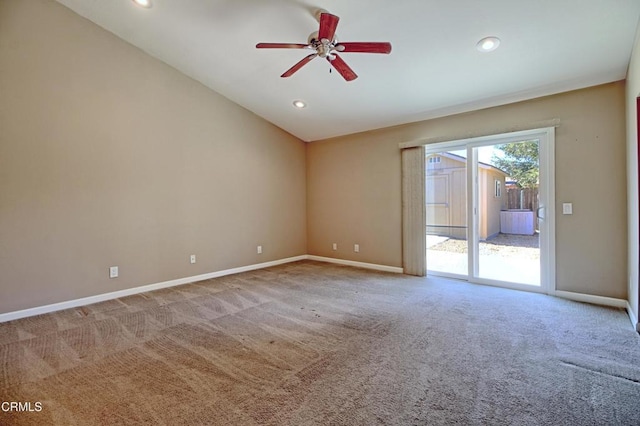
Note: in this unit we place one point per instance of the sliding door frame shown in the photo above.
(546, 136)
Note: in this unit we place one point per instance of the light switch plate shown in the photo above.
(567, 208)
(113, 272)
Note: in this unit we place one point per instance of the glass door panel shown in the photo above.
(507, 231)
(446, 213)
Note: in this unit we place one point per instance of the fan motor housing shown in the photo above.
(324, 49)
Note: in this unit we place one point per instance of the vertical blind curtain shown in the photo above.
(414, 224)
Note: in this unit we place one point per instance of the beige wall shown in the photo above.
(110, 157)
(353, 192)
(633, 91)
(353, 197)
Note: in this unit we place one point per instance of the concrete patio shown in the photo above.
(511, 258)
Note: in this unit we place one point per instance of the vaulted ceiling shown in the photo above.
(434, 69)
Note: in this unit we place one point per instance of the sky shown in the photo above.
(485, 154)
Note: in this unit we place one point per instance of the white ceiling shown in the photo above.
(548, 46)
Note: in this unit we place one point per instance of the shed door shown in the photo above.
(438, 196)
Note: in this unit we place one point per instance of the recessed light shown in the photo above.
(299, 104)
(488, 44)
(143, 3)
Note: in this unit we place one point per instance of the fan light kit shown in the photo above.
(143, 3)
(488, 44)
(325, 44)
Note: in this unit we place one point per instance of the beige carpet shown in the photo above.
(312, 343)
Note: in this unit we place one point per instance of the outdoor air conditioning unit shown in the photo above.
(517, 221)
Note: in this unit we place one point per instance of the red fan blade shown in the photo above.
(299, 65)
(365, 47)
(328, 25)
(281, 46)
(342, 67)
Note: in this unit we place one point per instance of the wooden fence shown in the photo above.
(525, 199)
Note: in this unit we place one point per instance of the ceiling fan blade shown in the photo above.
(299, 65)
(342, 67)
(328, 25)
(281, 46)
(364, 47)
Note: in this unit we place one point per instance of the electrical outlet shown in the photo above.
(192, 259)
(259, 250)
(335, 246)
(113, 272)
(356, 248)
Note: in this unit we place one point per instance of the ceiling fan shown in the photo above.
(326, 45)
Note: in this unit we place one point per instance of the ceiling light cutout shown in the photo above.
(144, 3)
(299, 104)
(488, 44)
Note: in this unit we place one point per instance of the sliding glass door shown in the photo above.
(446, 213)
(489, 210)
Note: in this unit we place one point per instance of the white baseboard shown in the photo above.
(633, 318)
(9, 316)
(374, 266)
(142, 289)
(595, 300)
(601, 300)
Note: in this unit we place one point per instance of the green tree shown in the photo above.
(520, 162)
